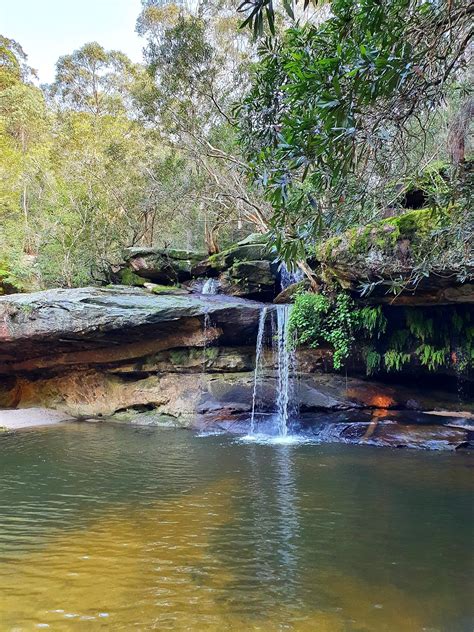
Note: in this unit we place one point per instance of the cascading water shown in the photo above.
(211, 286)
(286, 366)
(287, 278)
(285, 363)
(206, 326)
(258, 357)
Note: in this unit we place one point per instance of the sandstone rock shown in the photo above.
(162, 265)
(101, 326)
(252, 248)
(251, 279)
(31, 417)
(392, 249)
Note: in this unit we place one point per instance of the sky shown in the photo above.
(47, 29)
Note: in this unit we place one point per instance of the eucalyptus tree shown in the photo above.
(94, 80)
(198, 66)
(13, 63)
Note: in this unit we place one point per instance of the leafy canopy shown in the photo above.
(326, 101)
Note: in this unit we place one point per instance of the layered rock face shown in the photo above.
(182, 360)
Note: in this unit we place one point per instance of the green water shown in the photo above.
(118, 528)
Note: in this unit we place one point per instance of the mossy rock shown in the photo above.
(127, 277)
(166, 289)
(252, 248)
(414, 227)
(162, 266)
(389, 257)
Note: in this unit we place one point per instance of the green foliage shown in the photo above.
(339, 108)
(395, 360)
(373, 361)
(94, 80)
(419, 326)
(318, 319)
(431, 357)
(372, 321)
(436, 337)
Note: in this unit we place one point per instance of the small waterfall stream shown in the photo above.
(286, 366)
(285, 362)
(210, 286)
(258, 358)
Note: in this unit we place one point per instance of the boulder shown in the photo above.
(245, 269)
(251, 279)
(252, 248)
(374, 256)
(162, 265)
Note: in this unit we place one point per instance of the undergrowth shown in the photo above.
(433, 337)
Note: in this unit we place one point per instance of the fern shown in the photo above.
(419, 326)
(372, 320)
(373, 361)
(431, 357)
(394, 360)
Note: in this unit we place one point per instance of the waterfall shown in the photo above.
(211, 286)
(206, 326)
(258, 356)
(287, 278)
(285, 361)
(286, 365)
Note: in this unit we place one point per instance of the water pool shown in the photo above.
(120, 528)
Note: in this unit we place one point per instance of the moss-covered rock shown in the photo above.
(252, 248)
(251, 279)
(166, 289)
(162, 265)
(393, 250)
(127, 277)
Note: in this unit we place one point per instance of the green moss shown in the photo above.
(211, 353)
(179, 357)
(415, 226)
(252, 248)
(127, 277)
(167, 289)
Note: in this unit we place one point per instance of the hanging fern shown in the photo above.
(436, 336)
(431, 357)
(395, 360)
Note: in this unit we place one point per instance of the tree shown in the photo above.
(335, 108)
(13, 66)
(198, 70)
(94, 80)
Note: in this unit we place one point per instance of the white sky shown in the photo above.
(48, 29)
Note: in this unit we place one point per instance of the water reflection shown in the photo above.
(109, 528)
